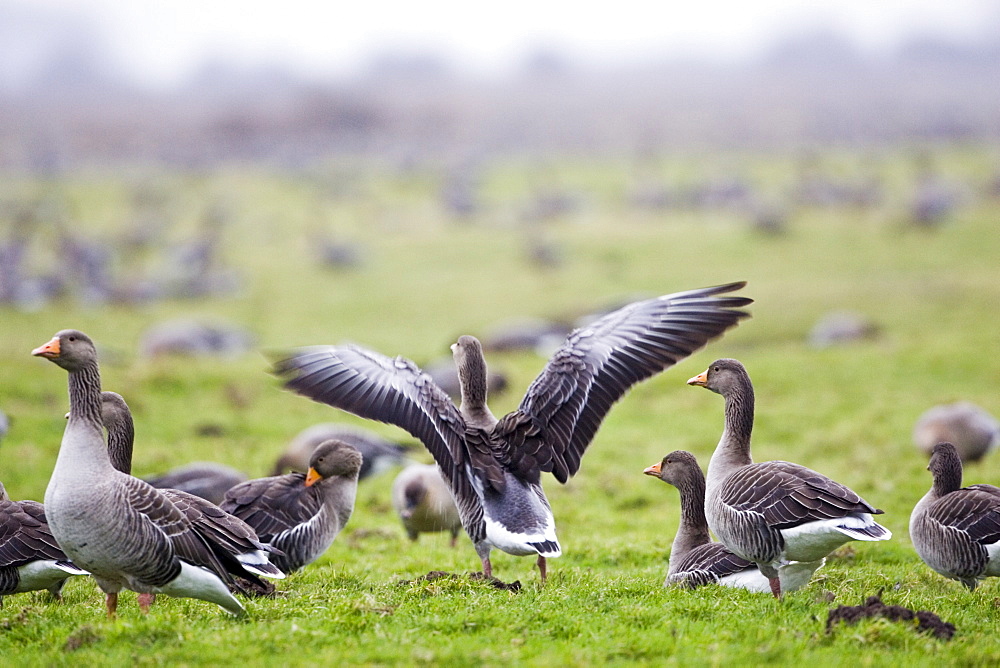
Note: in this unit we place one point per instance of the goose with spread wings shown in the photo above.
(493, 467)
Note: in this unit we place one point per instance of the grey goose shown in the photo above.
(30, 558)
(379, 454)
(773, 513)
(969, 428)
(301, 514)
(955, 529)
(122, 530)
(208, 480)
(207, 519)
(493, 467)
(695, 560)
(423, 502)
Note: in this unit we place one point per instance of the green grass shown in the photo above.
(846, 411)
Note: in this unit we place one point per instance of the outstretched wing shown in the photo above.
(391, 390)
(565, 405)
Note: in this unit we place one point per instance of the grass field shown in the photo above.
(846, 411)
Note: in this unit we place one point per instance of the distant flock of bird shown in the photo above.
(776, 521)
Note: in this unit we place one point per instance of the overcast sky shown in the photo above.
(163, 41)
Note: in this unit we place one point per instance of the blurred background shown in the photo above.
(193, 84)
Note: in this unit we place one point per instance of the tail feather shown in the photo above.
(872, 531)
(547, 548)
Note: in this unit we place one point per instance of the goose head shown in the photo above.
(946, 468)
(679, 468)
(723, 376)
(333, 459)
(70, 349)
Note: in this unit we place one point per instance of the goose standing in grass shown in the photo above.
(207, 519)
(773, 513)
(955, 529)
(494, 467)
(694, 559)
(298, 513)
(423, 502)
(30, 558)
(122, 530)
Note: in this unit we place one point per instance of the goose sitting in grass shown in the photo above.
(30, 558)
(773, 513)
(694, 559)
(955, 529)
(125, 532)
(423, 502)
(300, 514)
(492, 466)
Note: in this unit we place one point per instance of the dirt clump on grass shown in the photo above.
(926, 621)
(441, 575)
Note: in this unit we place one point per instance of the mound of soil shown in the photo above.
(927, 621)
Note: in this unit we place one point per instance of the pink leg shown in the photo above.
(487, 567)
(775, 586)
(541, 567)
(111, 601)
(145, 602)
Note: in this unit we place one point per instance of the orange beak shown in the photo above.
(49, 350)
(312, 477)
(701, 379)
(653, 470)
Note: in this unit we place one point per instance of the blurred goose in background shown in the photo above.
(494, 467)
(122, 530)
(773, 513)
(30, 558)
(208, 480)
(297, 513)
(955, 529)
(379, 454)
(694, 559)
(423, 502)
(969, 428)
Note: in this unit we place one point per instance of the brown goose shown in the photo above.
(300, 514)
(972, 431)
(125, 532)
(494, 467)
(423, 502)
(773, 513)
(955, 529)
(207, 519)
(694, 559)
(30, 558)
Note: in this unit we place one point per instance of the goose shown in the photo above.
(493, 467)
(301, 514)
(378, 454)
(695, 560)
(206, 517)
(955, 529)
(208, 480)
(972, 431)
(777, 512)
(423, 502)
(122, 530)
(30, 558)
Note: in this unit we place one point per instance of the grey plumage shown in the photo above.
(125, 532)
(494, 466)
(297, 513)
(378, 453)
(30, 558)
(423, 502)
(773, 513)
(955, 529)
